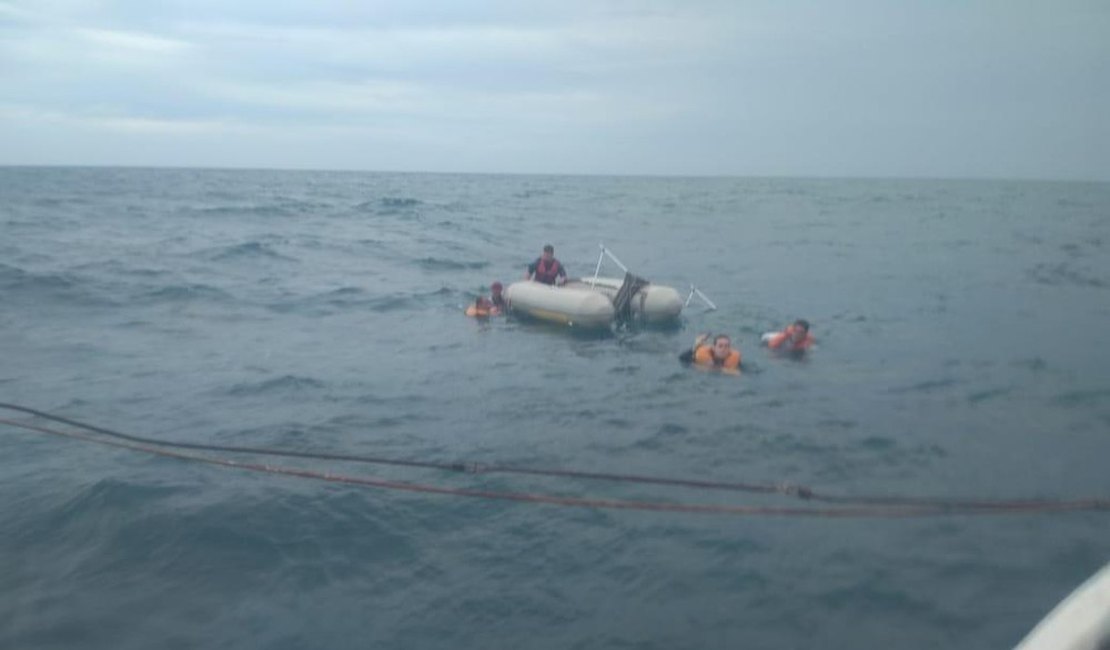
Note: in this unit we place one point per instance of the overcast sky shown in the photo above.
(933, 88)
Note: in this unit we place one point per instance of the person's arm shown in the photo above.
(688, 355)
(561, 276)
(775, 341)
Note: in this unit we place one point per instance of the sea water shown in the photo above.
(961, 354)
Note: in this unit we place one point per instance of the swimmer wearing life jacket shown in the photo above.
(485, 307)
(546, 269)
(719, 356)
(482, 308)
(795, 338)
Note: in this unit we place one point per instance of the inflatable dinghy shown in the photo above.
(651, 303)
(595, 302)
(575, 307)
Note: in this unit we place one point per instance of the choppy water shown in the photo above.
(961, 353)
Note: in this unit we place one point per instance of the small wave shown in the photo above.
(390, 421)
(845, 457)
(119, 268)
(618, 423)
(395, 302)
(112, 494)
(1063, 275)
(528, 194)
(389, 205)
(1083, 397)
(68, 287)
(342, 293)
(281, 207)
(186, 292)
(877, 443)
(437, 264)
(1035, 364)
(377, 400)
(347, 298)
(248, 251)
(871, 591)
(833, 423)
(984, 395)
(624, 370)
(343, 297)
(49, 202)
(398, 202)
(284, 384)
(15, 279)
(925, 386)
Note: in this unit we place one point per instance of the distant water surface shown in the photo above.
(961, 354)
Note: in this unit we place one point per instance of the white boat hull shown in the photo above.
(654, 303)
(576, 307)
(1080, 622)
(586, 303)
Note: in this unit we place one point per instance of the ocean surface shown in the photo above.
(962, 353)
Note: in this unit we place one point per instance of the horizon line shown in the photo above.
(1001, 179)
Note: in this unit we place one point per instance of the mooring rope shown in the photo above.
(468, 467)
(876, 507)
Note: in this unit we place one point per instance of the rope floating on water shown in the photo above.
(468, 467)
(848, 507)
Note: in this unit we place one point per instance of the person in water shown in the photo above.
(546, 268)
(482, 308)
(495, 296)
(492, 306)
(721, 355)
(795, 338)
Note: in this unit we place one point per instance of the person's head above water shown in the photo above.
(799, 330)
(495, 288)
(548, 251)
(722, 347)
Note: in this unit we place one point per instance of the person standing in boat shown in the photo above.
(546, 269)
(720, 356)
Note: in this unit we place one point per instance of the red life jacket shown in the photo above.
(547, 272)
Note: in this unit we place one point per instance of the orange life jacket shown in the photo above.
(482, 308)
(703, 356)
(776, 341)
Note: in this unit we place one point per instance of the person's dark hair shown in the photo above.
(548, 248)
(802, 323)
(721, 336)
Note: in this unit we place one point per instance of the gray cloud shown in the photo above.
(766, 88)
